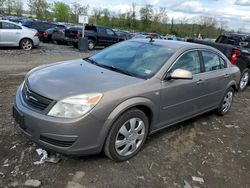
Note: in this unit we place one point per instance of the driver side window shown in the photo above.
(189, 61)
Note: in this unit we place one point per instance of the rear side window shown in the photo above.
(189, 61)
(6, 25)
(212, 61)
(110, 32)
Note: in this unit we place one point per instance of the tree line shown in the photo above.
(147, 18)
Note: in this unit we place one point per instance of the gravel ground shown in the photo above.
(213, 148)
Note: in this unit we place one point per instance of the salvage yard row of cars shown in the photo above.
(138, 87)
(236, 47)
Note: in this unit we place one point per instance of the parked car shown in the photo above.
(40, 26)
(123, 34)
(12, 34)
(47, 35)
(58, 34)
(237, 49)
(146, 36)
(113, 100)
(97, 35)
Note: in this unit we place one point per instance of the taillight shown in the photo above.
(37, 34)
(234, 57)
(46, 34)
(78, 34)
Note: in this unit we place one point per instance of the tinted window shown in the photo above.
(102, 31)
(9, 26)
(141, 59)
(189, 61)
(109, 32)
(212, 61)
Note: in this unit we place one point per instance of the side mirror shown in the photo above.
(181, 74)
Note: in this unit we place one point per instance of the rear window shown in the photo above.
(6, 25)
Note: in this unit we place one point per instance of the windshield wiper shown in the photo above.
(117, 70)
(92, 61)
(109, 67)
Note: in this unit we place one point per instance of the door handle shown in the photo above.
(18, 33)
(226, 76)
(200, 82)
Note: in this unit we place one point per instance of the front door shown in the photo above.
(180, 98)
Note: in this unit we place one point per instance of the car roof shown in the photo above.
(171, 43)
(9, 22)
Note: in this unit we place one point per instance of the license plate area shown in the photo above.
(19, 118)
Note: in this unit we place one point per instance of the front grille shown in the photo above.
(57, 142)
(35, 100)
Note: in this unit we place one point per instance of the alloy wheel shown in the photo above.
(244, 80)
(130, 136)
(227, 102)
(26, 44)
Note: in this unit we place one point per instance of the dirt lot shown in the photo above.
(214, 148)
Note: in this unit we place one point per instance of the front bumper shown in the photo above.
(81, 136)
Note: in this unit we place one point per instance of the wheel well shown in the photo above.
(93, 39)
(147, 112)
(234, 87)
(25, 38)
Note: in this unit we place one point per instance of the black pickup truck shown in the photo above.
(97, 35)
(237, 49)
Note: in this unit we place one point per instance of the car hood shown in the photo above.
(64, 79)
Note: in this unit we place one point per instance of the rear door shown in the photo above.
(215, 78)
(10, 34)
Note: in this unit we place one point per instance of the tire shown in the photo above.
(26, 44)
(75, 44)
(226, 102)
(91, 44)
(119, 147)
(244, 79)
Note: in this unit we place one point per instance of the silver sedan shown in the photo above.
(13, 34)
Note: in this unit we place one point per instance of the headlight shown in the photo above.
(75, 106)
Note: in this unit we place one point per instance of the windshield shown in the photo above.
(135, 58)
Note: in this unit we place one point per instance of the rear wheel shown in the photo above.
(127, 136)
(26, 44)
(244, 80)
(226, 102)
(91, 44)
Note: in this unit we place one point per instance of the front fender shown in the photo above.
(124, 106)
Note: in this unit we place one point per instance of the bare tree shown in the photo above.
(2, 6)
(97, 12)
(18, 7)
(9, 6)
(146, 14)
(38, 7)
(78, 9)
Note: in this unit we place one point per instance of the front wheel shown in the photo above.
(226, 102)
(26, 44)
(244, 79)
(127, 136)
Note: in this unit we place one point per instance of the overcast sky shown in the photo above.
(235, 13)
